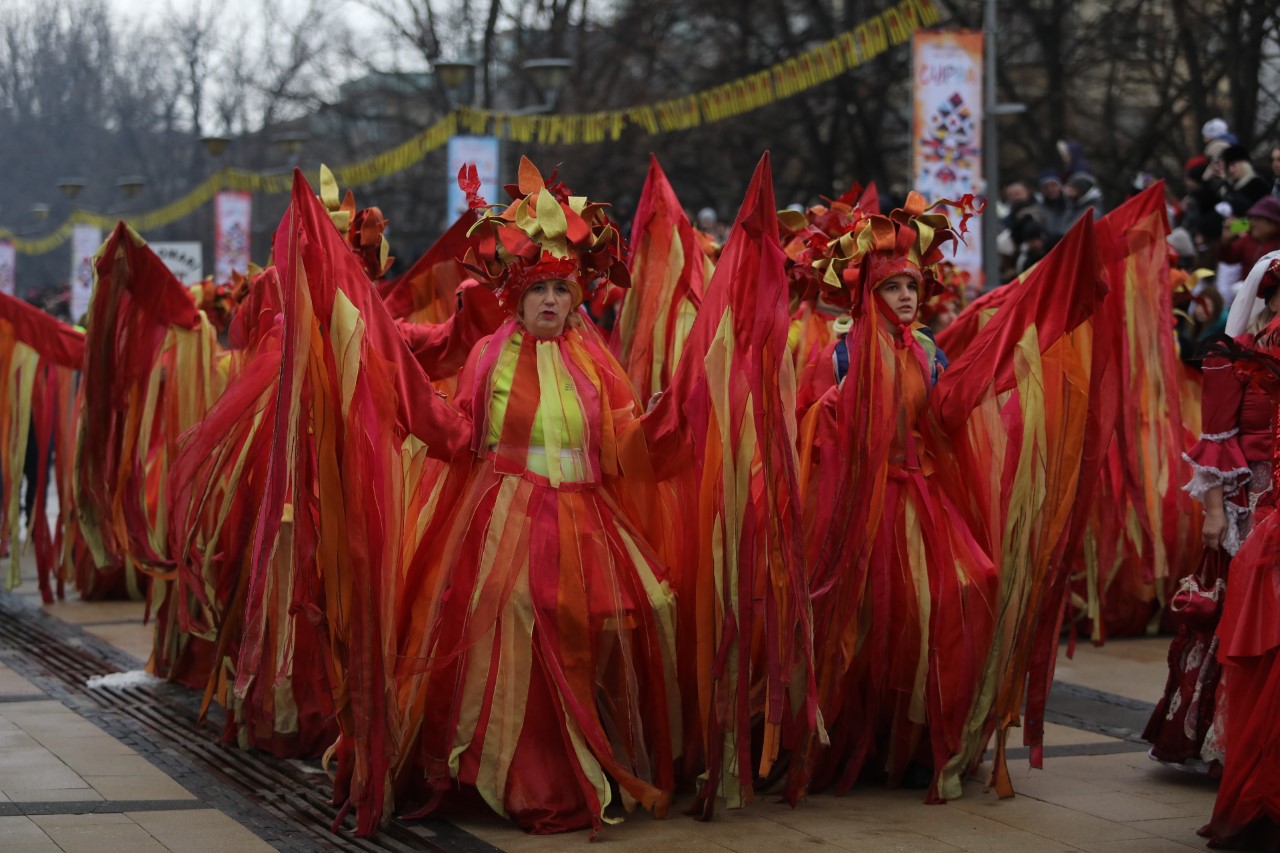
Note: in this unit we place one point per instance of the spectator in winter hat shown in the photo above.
(1239, 185)
(1082, 193)
(1053, 205)
(1216, 128)
(1262, 237)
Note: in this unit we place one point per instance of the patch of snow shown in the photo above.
(121, 680)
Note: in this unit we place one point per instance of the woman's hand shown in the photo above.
(1215, 525)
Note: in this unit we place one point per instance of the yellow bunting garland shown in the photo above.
(790, 77)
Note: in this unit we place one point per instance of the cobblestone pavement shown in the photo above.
(92, 770)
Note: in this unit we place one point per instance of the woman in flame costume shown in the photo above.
(535, 627)
(937, 506)
(546, 660)
(910, 606)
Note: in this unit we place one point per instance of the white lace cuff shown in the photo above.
(1205, 478)
(1219, 436)
(1239, 522)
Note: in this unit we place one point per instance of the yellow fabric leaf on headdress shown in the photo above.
(606, 236)
(525, 218)
(577, 203)
(551, 216)
(792, 220)
(925, 238)
(879, 235)
(530, 178)
(328, 188)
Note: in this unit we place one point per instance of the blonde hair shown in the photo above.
(1260, 322)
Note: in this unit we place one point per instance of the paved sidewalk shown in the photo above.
(66, 784)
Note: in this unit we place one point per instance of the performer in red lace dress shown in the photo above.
(1247, 810)
(1232, 462)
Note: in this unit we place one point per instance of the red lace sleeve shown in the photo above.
(1217, 458)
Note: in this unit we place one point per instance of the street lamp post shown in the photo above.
(548, 76)
(992, 110)
(214, 146)
(71, 187)
(457, 80)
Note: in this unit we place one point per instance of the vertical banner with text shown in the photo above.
(232, 214)
(8, 268)
(85, 240)
(481, 150)
(946, 143)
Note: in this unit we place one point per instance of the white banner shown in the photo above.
(232, 217)
(185, 260)
(947, 129)
(85, 240)
(8, 268)
(483, 151)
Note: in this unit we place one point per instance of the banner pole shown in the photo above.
(990, 153)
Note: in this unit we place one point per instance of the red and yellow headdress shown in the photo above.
(952, 290)
(545, 233)
(363, 227)
(807, 236)
(909, 241)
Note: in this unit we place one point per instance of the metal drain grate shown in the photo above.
(283, 802)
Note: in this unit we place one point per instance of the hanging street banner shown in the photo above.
(232, 214)
(185, 260)
(8, 268)
(484, 152)
(946, 146)
(85, 240)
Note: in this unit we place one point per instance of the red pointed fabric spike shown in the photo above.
(469, 182)
(742, 378)
(658, 227)
(1054, 310)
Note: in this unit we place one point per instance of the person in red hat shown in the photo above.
(1199, 218)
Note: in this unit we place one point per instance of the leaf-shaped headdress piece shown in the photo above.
(545, 233)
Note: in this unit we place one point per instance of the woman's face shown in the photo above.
(1262, 229)
(545, 307)
(1273, 301)
(945, 318)
(902, 295)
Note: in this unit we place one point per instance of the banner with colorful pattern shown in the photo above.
(232, 217)
(8, 263)
(946, 141)
(85, 240)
